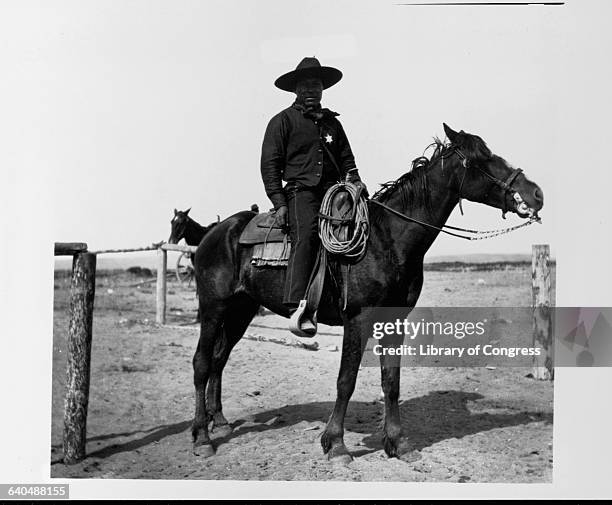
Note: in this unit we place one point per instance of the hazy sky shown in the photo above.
(124, 110)
(140, 107)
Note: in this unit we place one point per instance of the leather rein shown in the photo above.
(477, 234)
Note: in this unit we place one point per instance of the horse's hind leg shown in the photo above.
(238, 316)
(210, 333)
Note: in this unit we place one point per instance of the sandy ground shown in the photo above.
(470, 425)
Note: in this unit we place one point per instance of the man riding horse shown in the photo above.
(306, 146)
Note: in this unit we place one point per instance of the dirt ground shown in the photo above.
(469, 424)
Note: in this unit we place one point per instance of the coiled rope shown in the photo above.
(357, 224)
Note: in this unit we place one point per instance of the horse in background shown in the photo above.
(184, 227)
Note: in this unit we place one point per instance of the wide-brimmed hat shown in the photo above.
(308, 67)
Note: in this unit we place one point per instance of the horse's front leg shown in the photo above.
(353, 345)
(394, 442)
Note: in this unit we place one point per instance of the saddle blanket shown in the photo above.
(271, 254)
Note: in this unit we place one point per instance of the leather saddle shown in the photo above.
(271, 244)
(261, 229)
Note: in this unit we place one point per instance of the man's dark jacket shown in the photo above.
(295, 149)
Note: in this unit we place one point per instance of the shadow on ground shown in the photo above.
(426, 420)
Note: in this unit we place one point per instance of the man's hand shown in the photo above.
(353, 177)
(364, 189)
(281, 216)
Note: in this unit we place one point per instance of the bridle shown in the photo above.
(506, 186)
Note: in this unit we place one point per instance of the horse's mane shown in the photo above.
(206, 228)
(413, 186)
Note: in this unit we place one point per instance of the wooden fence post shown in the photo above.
(542, 312)
(82, 292)
(160, 316)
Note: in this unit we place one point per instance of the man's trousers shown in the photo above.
(303, 205)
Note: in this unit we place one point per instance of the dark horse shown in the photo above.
(184, 227)
(391, 274)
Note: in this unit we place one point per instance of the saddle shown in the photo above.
(262, 229)
(271, 243)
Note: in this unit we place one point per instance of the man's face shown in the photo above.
(309, 91)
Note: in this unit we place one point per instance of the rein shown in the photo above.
(485, 233)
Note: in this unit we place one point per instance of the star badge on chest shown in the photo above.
(328, 138)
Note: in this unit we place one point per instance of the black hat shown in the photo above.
(308, 67)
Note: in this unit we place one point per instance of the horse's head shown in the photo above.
(487, 178)
(178, 225)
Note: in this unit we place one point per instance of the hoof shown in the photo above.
(203, 450)
(339, 455)
(341, 460)
(410, 456)
(405, 452)
(222, 431)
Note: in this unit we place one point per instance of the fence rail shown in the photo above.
(69, 248)
(153, 247)
(180, 248)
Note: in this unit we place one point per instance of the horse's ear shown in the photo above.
(452, 135)
(187, 211)
(175, 212)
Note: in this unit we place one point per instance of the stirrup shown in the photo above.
(302, 324)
